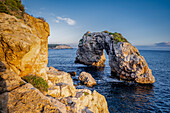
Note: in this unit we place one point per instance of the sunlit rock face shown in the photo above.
(23, 50)
(124, 59)
(24, 44)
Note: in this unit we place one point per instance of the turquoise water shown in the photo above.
(123, 97)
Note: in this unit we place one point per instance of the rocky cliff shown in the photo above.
(24, 73)
(124, 59)
(23, 44)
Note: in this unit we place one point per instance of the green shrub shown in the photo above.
(37, 82)
(119, 38)
(111, 33)
(3, 8)
(86, 93)
(13, 5)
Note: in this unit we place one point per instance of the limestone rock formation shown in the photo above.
(87, 79)
(75, 100)
(18, 96)
(23, 44)
(28, 99)
(62, 90)
(24, 51)
(85, 100)
(59, 77)
(124, 59)
(9, 81)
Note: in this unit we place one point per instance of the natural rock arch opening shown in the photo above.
(124, 59)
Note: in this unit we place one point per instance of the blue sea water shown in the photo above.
(122, 97)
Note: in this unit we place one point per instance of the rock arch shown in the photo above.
(124, 59)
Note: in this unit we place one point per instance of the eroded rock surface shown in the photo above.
(87, 79)
(23, 44)
(18, 96)
(28, 99)
(23, 51)
(124, 59)
(75, 100)
(59, 77)
(85, 100)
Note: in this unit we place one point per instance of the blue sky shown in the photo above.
(142, 22)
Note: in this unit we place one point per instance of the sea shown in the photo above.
(123, 97)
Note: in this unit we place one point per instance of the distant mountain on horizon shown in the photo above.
(156, 46)
(163, 44)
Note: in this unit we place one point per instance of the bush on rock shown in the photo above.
(37, 82)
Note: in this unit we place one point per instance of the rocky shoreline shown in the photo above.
(26, 83)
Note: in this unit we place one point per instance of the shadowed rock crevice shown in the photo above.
(124, 59)
(3, 88)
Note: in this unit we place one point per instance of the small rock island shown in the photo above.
(124, 59)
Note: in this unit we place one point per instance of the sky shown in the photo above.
(141, 22)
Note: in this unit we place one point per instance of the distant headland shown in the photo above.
(59, 46)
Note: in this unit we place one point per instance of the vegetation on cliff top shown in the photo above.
(12, 7)
(117, 36)
(37, 82)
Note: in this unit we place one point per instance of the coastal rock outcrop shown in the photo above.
(23, 52)
(23, 44)
(87, 79)
(85, 100)
(124, 59)
(75, 100)
(18, 96)
(29, 99)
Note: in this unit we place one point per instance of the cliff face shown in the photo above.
(23, 44)
(124, 59)
(24, 51)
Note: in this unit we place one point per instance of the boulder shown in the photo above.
(87, 79)
(124, 59)
(61, 90)
(86, 101)
(9, 81)
(59, 77)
